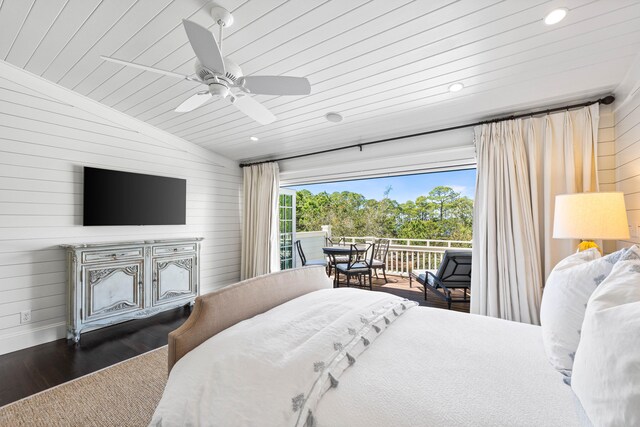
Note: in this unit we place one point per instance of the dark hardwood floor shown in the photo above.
(26, 372)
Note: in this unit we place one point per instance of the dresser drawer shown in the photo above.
(174, 249)
(112, 255)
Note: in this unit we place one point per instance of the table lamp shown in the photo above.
(589, 217)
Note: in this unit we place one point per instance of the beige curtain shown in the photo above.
(522, 165)
(260, 248)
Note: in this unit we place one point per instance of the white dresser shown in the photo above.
(113, 282)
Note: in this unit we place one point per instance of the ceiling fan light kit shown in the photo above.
(223, 77)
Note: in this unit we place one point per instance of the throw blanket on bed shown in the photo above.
(275, 367)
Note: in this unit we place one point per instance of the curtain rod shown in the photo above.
(605, 100)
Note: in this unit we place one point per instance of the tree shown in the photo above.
(443, 214)
(442, 200)
(311, 209)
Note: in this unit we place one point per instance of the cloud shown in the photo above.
(458, 188)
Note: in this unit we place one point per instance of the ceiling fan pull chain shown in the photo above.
(221, 24)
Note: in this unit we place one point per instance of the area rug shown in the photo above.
(125, 394)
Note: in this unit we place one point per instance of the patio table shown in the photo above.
(341, 250)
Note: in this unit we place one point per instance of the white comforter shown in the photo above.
(346, 357)
(274, 368)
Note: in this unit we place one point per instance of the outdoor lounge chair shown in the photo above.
(454, 273)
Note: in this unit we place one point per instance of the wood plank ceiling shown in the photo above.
(384, 65)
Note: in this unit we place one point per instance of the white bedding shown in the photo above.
(444, 368)
(425, 367)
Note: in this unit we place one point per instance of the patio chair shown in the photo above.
(454, 273)
(336, 241)
(304, 259)
(359, 265)
(337, 259)
(380, 258)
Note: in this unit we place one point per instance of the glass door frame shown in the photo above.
(287, 228)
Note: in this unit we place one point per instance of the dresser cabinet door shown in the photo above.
(173, 278)
(113, 289)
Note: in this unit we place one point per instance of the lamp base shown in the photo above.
(588, 244)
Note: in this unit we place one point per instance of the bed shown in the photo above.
(288, 349)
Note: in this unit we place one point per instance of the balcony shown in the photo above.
(404, 255)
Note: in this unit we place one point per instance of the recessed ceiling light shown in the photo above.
(333, 117)
(555, 16)
(254, 138)
(456, 87)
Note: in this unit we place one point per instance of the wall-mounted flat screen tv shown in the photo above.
(124, 198)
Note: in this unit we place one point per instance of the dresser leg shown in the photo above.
(188, 307)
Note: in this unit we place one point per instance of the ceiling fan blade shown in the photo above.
(205, 46)
(193, 102)
(253, 109)
(277, 85)
(147, 68)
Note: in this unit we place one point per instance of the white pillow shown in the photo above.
(564, 300)
(606, 371)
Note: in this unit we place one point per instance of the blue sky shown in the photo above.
(404, 188)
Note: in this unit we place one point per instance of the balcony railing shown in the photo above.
(404, 255)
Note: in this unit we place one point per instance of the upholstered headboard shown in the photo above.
(218, 310)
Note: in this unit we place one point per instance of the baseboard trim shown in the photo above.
(40, 335)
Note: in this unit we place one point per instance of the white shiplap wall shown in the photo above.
(606, 149)
(606, 158)
(47, 134)
(627, 161)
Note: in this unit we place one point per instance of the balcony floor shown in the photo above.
(400, 286)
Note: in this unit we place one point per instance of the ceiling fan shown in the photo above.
(223, 77)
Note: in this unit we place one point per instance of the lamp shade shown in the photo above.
(590, 216)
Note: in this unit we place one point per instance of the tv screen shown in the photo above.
(124, 198)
